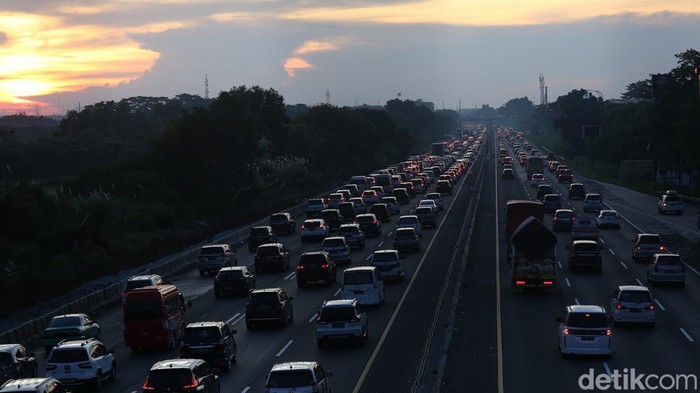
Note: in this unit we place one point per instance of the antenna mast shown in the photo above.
(206, 87)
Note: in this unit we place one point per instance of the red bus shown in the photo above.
(154, 316)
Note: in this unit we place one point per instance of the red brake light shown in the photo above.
(608, 332)
(300, 267)
(548, 283)
(325, 266)
(520, 283)
(85, 365)
(651, 307)
(146, 387)
(193, 384)
(566, 330)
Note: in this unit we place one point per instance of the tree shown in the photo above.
(640, 90)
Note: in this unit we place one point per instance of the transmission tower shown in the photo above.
(543, 95)
(328, 97)
(206, 87)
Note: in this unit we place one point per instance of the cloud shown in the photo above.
(296, 63)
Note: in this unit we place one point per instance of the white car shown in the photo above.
(634, 304)
(392, 204)
(429, 203)
(608, 218)
(670, 203)
(437, 198)
(81, 362)
(537, 179)
(410, 221)
(363, 283)
(314, 228)
(584, 330)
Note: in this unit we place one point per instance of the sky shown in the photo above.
(60, 55)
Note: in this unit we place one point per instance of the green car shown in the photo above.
(69, 327)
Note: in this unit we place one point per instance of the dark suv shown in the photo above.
(577, 191)
(210, 341)
(283, 223)
(316, 266)
(333, 218)
(269, 305)
(181, 376)
(235, 279)
(381, 210)
(347, 211)
(369, 224)
(260, 235)
(271, 256)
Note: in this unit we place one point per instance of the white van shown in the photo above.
(364, 284)
(361, 182)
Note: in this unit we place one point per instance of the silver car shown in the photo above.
(633, 304)
(337, 248)
(666, 268)
(388, 263)
(341, 320)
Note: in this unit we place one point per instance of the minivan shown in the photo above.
(363, 283)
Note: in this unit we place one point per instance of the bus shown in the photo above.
(154, 316)
(535, 164)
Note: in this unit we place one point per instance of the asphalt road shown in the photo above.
(528, 360)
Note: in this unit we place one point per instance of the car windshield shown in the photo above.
(672, 198)
(267, 251)
(315, 202)
(384, 257)
(278, 219)
(143, 308)
(173, 379)
(347, 230)
(230, 274)
(405, 234)
(68, 355)
(201, 335)
(587, 320)
(364, 219)
(330, 314)
(407, 221)
(668, 260)
(259, 232)
(60, 322)
(649, 240)
(264, 298)
(312, 224)
(310, 260)
(333, 243)
(133, 284)
(211, 250)
(424, 210)
(635, 296)
(591, 247)
(361, 277)
(290, 379)
(565, 215)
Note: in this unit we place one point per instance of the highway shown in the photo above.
(391, 360)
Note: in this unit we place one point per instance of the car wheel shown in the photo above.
(228, 365)
(98, 381)
(113, 372)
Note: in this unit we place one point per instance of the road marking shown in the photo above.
(337, 292)
(576, 300)
(228, 321)
(623, 265)
(368, 257)
(638, 282)
(313, 318)
(687, 335)
(691, 268)
(391, 233)
(247, 388)
(284, 348)
(567, 282)
(607, 368)
(290, 275)
(658, 303)
(601, 240)
(237, 320)
(380, 243)
(560, 266)
(611, 251)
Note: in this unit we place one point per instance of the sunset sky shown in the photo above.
(59, 55)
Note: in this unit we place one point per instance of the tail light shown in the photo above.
(146, 387)
(566, 331)
(520, 283)
(325, 266)
(300, 267)
(608, 332)
(651, 307)
(193, 384)
(661, 247)
(548, 283)
(85, 365)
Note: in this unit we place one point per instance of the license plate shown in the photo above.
(587, 338)
(338, 325)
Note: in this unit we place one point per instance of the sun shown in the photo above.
(23, 88)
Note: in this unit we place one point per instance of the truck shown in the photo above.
(517, 210)
(438, 149)
(533, 257)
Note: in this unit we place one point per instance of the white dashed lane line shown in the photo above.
(567, 282)
(284, 348)
(611, 251)
(560, 266)
(337, 292)
(228, 321)
(290, 276)
(623, 265)
(607, 368)
(658, 303)
(638, 282)
(576, 300)
(380, 244)
(247, 388)
(687, 335)
(313, 318)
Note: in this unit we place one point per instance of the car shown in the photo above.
(370, 197)
(563, 220)
(410, 221)
(632, 304)
(314, 207)
(406, 239)
(347, 194)
(507, 173)
(388, 263)
(341, 319)
(608, 218)
(269, 305)
(537, 179)
(363, 283)
(283, 223)
(542, 190)
(409, 188)
(577, 191)
(314, 266)
(419, 185)
(381, 211)
(443, 187)
(437, 198)
(338, 249)
(369, 224)
(306, 376)
(392, 204)
(354, 189)
(314, 228)
(271, 257)
(182, 376)
(560, 168)
(139, 281)
(17, 362)
(551, 203)
(379, 190)
(666, 268)
(429, 203)
(584, 330)
(69, 327)
(333, 218)
(213, 257)
(260, 234)
(234, 279)
(593, 202)
(427, 217)
(401, 195)
(33, 385)
(211, 341)
(334, 200)
(354, 237)
(552, 166)
(585, 254)
(670, 203)
(646, 245)
(81, 362)
(360, 206)
(565, 175)
(347, 211)
(507, 166)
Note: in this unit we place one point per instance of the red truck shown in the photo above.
(517, 210)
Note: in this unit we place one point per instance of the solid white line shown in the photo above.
(691, 268)
(623, 265)
(659, 304)
(380, 243)
(313, 318)
(237, 320)
(567, 282)
(607, 368)
(228, 321)
(337, 292)
(247, 388)
(290, 275)
(284, 348)
(576, 300)
(687, 335)
(611, 251)
(560, 266)
(638, 282)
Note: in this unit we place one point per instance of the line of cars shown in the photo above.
(587, 329)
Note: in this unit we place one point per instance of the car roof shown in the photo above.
(75, 343)
(584, 241)
(564, 211)
(266, 290)
(359, 269)
(205, 324)
(339, 303)
(388, 251)
(145, 277)
(26, 383)
(334, 238)
(314, 220)
(633, 288)
(231, 268)
(70, 315)
(350, 225)
(175, 363)
(576, 308)
(299, 365)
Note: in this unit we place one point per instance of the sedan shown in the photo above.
(608, 219)
(410, 221)
(69, 327)
(537, 179)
